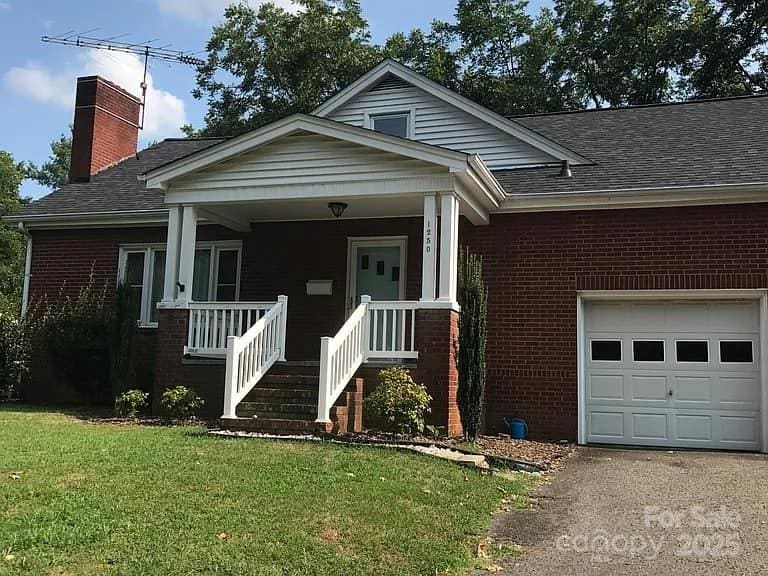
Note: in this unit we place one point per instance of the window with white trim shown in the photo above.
(392, 124)
(216, 279)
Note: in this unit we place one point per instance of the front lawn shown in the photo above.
(84, 498)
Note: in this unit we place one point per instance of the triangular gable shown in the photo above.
(444, 118)
(299, 123)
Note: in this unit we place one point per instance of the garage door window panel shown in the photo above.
(692, 351)
(605, 350)
(648, 351)
(736, 352)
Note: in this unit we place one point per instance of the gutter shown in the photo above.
(132, 218)
(27, 270)
(750, 192)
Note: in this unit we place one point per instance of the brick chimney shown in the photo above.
(106, 127)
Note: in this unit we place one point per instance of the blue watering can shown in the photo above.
(518, 428)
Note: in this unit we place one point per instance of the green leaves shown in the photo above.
(54, 173)
(398, 404)
(263, 65)
(266, 64)
(472, 343)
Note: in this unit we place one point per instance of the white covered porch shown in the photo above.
(285, 179)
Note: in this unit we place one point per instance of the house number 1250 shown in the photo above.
(428, 237)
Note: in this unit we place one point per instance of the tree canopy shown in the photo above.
(54, 172)
(11, 241)
(266, 63)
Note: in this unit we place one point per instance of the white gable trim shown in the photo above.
(506, 125)
(160, 177)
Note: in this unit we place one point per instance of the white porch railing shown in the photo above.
(211, 323)
(250, 356)
(374, 330)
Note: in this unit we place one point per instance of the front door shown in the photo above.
(376, 269)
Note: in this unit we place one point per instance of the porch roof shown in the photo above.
(303, 159)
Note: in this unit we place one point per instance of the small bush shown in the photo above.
(181, 402)
(12, 353)
(398, 404)
(130, 402)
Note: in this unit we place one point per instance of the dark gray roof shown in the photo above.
(117, 189)
(700, 143)
(692, 143)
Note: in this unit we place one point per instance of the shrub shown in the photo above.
(123, 335)
(471, 346)
(180, 402)
(12, 353)
(73, 336)
(398, 404)
(130, 402)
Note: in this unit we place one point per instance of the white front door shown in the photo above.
(673, 373)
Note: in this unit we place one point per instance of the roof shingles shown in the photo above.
(116, 189)
(704, 143)
(716, 142)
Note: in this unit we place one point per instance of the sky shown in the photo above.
(37, 80)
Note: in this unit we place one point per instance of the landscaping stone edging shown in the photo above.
(449, 453)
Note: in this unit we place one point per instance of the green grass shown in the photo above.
(134, 500)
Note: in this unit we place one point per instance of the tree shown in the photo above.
(268, 64)
(54, 173)
(471, 345)
(11, 240)
(430, 54)
(728, 40)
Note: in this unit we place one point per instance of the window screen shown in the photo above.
(736, 351)
(606, 350)
(692, 350)
(648, 350)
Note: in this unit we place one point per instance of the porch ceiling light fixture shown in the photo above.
(337, 208)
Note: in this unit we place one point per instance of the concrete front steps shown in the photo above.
(285, 402)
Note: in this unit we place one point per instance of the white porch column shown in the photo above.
(172, 253)
(429, 249)
(449, 247)
(187, 252)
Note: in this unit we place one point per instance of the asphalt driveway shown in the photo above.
(645, 512)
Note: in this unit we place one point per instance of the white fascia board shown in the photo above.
(511, 127)
(160, 177)
(637, 198)
(91, 220)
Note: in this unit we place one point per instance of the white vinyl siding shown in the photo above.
(306, 158)
(440, 124)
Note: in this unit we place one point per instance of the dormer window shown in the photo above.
(393, 124)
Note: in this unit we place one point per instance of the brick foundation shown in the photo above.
(437, 333)
(171, 369)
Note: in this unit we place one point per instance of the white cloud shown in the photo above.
(165, 112)
(211, 11)
(4, 5)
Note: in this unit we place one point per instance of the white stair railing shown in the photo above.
(384, 330)
(212, 323)
(252, 354)
(341, 356)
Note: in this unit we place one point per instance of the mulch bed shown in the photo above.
(545, 456)
(549, 456)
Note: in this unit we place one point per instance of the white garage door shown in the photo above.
(681, 374)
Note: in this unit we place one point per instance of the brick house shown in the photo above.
(625, 256)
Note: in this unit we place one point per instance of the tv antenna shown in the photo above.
(142, 49)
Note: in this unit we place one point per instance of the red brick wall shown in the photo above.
(279, 258)
(437, 334)
(105, 128)
(536, 262)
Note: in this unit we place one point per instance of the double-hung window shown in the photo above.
(216, 277)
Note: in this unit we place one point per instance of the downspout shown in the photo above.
(27, 269)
